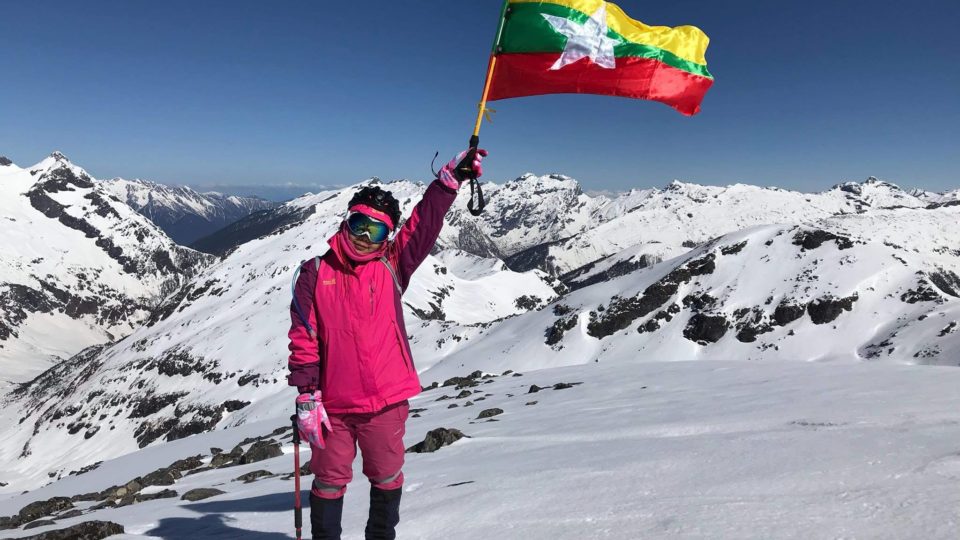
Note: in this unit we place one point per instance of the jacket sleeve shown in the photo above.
(304, 362)
(419, 233)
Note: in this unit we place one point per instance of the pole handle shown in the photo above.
(296, 429)
(465, 168)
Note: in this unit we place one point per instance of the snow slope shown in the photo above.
(78, 268)
(719, 450)
(879, 286)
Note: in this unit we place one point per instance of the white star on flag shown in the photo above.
(587, 40)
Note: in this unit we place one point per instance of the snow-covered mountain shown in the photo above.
(183, 213)
(218, 345)
(79, 267)
(527, 212)
(666, 223)
(932, 197)
(860, 287)
(864, 271)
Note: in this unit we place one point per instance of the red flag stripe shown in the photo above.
(529, 74)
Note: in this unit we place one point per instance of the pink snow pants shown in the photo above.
(380, 436)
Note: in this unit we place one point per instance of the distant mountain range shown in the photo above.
(280, 193)
(548, 276)
(183, 213)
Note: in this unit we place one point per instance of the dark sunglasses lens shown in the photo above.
(361, 225)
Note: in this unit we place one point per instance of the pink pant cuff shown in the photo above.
(394, 484)
(328, 494)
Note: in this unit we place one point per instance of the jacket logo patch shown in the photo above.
(330, 281)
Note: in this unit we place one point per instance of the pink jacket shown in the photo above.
(359, 356)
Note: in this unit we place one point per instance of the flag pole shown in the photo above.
(467, 163)
(491, 64)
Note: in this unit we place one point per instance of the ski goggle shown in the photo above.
(363, 225)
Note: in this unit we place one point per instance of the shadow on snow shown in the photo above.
(215, 523)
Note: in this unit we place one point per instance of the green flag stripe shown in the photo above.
(527, 31)
(656, 53)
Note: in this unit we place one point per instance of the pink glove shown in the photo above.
(453, 174)
(311, 417)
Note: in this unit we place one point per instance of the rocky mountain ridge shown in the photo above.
(79, 266)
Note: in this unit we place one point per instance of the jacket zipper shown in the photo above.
(371, 298)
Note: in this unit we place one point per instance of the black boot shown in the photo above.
(384, 514)
(325, 517)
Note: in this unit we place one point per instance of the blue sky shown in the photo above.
(807, 94)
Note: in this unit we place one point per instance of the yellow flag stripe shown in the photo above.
(686, 42)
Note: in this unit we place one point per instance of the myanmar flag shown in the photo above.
(593, 47)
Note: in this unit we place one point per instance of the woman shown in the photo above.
(349, 355)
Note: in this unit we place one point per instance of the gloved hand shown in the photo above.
(464, 166)
(311, 417)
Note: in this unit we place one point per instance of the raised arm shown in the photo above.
(419, 233)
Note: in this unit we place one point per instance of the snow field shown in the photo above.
(734, 450)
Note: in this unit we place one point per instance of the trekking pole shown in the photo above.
(297, 513)
(466, 164)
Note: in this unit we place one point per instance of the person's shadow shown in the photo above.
(214, 523)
